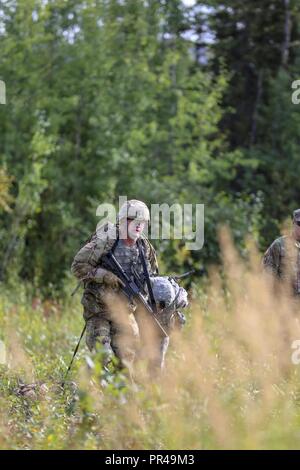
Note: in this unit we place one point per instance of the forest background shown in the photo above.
(168, 102)
(188, 102)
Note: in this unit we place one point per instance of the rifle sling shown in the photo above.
(146, 274)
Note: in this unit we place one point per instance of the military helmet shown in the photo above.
(163, 291)
(134, 209)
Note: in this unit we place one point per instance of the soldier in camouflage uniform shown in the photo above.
(114, 332)
(282, 258)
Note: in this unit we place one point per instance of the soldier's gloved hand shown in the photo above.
(111, 280)
(106, 277)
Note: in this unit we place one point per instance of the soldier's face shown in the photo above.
(296, 230)
(135, 228)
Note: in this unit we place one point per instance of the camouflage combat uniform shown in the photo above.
(174, 297)
(282, 259)
(102, 328)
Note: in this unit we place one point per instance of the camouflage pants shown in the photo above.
(112, 332)
(124, 335)
(120, 340)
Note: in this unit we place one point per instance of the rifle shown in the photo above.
(181, 276)
(129, 287)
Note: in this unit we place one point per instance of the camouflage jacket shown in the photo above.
(88, 259)
(282, 259)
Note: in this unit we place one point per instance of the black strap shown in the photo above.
(146, 274)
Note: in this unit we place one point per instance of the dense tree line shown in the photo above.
(155, 100)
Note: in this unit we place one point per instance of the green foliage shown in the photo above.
(112, 100)
(130, 98)
(5, 197)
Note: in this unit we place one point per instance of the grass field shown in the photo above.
(229, 382)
